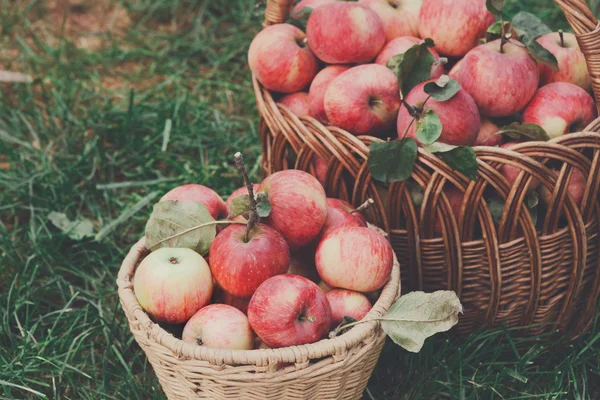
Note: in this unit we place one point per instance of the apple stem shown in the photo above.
(562, 37)
(408, 127)
(193, 228)
(500, 133)
(412, 111)
(253, 216)
(363, 206)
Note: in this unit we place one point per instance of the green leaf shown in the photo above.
(416, 192)
(462, 159)
(392, 161)
(443, 89)
(519, 131)
(417, 316)
(495, 6)
(263, 205)
(172, 224)
(300, 18)
(77, 230)
(429, 128)
(413, 66)
(532, 199)
(530, 28)
(495, 31)
(239, 206)
(496, 206)
(439, 147)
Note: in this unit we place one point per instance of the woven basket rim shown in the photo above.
(260, 357)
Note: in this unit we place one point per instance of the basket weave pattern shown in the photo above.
(511, 272)
(336, 368)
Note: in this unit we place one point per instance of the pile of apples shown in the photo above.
(286, 279)
(336, 72)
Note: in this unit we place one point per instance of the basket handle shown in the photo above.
(585, 26)
(277, 11)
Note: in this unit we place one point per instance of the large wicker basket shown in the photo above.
(508, 273)
(330, 369)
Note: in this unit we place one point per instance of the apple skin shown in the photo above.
(454, 25)
(486, 130)
(459, 116)
(338, 216)
(399, 45)
(318, 88)
(511, 173)
(222, 297)
(280, 59)
(364, 99)
(289, 310)
(572, 67)
(219, 326)
(297, 103)
(346, 303)
(298, 206)
(501, 83)
(202, 194)
(338, 205)
(345, 33)
(320, 169)
(561, 108)
(309, 3)
(171, 284)
(239, 267)
(354, 258)
(576, 187)
(399, 17)
(324, 287)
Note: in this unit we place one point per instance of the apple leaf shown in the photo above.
(530, 28)
(76, 230)
(496, 206)
(495, 6)
(532, 199)
(180, 224)
(443, 89)
(239, 206)
(497, 29)
(417, 316)
(461, 158)
(519, 131)
(263, 205)
(416, 192)
(392, 161)
(429, 128)
(413, 66)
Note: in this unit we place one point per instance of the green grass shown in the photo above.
(87, 138)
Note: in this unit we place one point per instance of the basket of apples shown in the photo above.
(278, 293)
(473, 134)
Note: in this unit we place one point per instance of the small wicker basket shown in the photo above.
(336, 368)
(512, 272)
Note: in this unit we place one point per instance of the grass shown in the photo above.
(131, 98)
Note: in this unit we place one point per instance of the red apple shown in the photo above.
(346, 303)
(454, 25)
(281, 60)
(338, 206)
(318, 87)
(345, 33)
(501, 82)
(297, 103)
(399, 17)
(561, 108)
(219, 326)
(206, 196)
(363, 100)
(171, 284)
(240, 266)
(487, 130)
(511, 173)
(312, 4)
(289, 310)
(399, 46)
(576, 188)
(459, 116)
(339, 215)
(572, 67)
(298, 206)
(222, 297)
(355, 258)
(320, 169)
(243, 191)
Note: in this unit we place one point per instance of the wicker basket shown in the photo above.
(336, 368)
(508, 273)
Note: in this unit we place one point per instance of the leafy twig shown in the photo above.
(253, 216)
